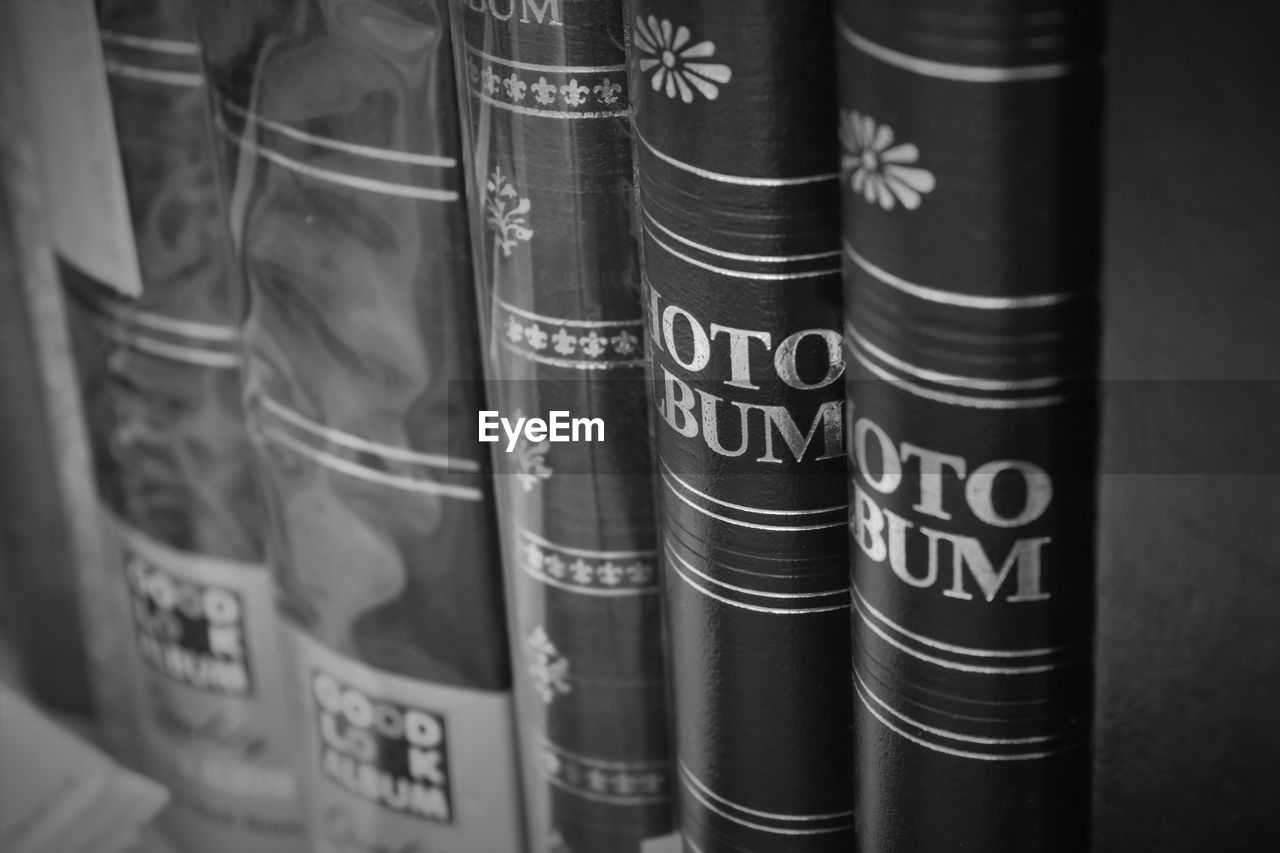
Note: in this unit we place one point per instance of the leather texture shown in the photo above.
(970, 179)
(548, 150)
(739, 215)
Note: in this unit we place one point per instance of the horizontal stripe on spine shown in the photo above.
(156, 45)
(948, 379)
(782, 823)
(550, 69)
(556, 114)
(369, 151)
(555, 341)
(624, 783)
(585, 324)
(164, 77)
(683, 569)
(838, 509)
(405, 469)
(841, 593)
(967, 651)
(740, 256)
(719, 270)
(352, 469)
(740, 180)
(127, 314)
(344, 439)
(958, 300)
(555, 361)
(900, 729)
(955, 71)
(339, 178)
(950, 397)
(985, 669)
(183, 341)
(862, 685)
(219, 360)
(587, 572)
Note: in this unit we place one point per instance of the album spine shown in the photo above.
(342, 175)
(970, 185)
(547, 144)
(739, 214)
(183, 581)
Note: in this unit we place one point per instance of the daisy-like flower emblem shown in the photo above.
(883, 173)
(676, 65)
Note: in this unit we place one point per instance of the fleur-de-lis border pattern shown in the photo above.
(587, 93)
(569, 342)
(630, 575)
(598, 781)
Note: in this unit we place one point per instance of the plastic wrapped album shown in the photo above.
(160, 371)
(550, 176)
(340, 128)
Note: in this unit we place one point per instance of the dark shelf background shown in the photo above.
(1188, 714)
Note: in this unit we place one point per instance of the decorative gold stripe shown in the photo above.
(955, 71)
(740, 180)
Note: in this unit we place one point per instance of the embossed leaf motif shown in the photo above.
(506, 212)
(880, 171)
(678, 67)
(549, 668)
(531, 457)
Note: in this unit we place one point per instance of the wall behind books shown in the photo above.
(1189, 611)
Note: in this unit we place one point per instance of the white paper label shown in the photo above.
(392, 763)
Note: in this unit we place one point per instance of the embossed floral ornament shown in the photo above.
(549, 668)
(675, 67)
(883, 173)
(506, 212)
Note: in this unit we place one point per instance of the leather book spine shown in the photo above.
(343, 178)
(970, 183)
(546, 120)
(737, 177)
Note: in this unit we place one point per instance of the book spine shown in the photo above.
(970, 187)
(547, 124)
(362, 376)
(159, 376)
(741, 261)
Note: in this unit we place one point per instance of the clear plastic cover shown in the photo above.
(340, 128)
(548, 151)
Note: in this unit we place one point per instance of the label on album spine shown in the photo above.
(547, 107)
(207, 682)
(398, 763)
(741, 256)
(970, 200)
